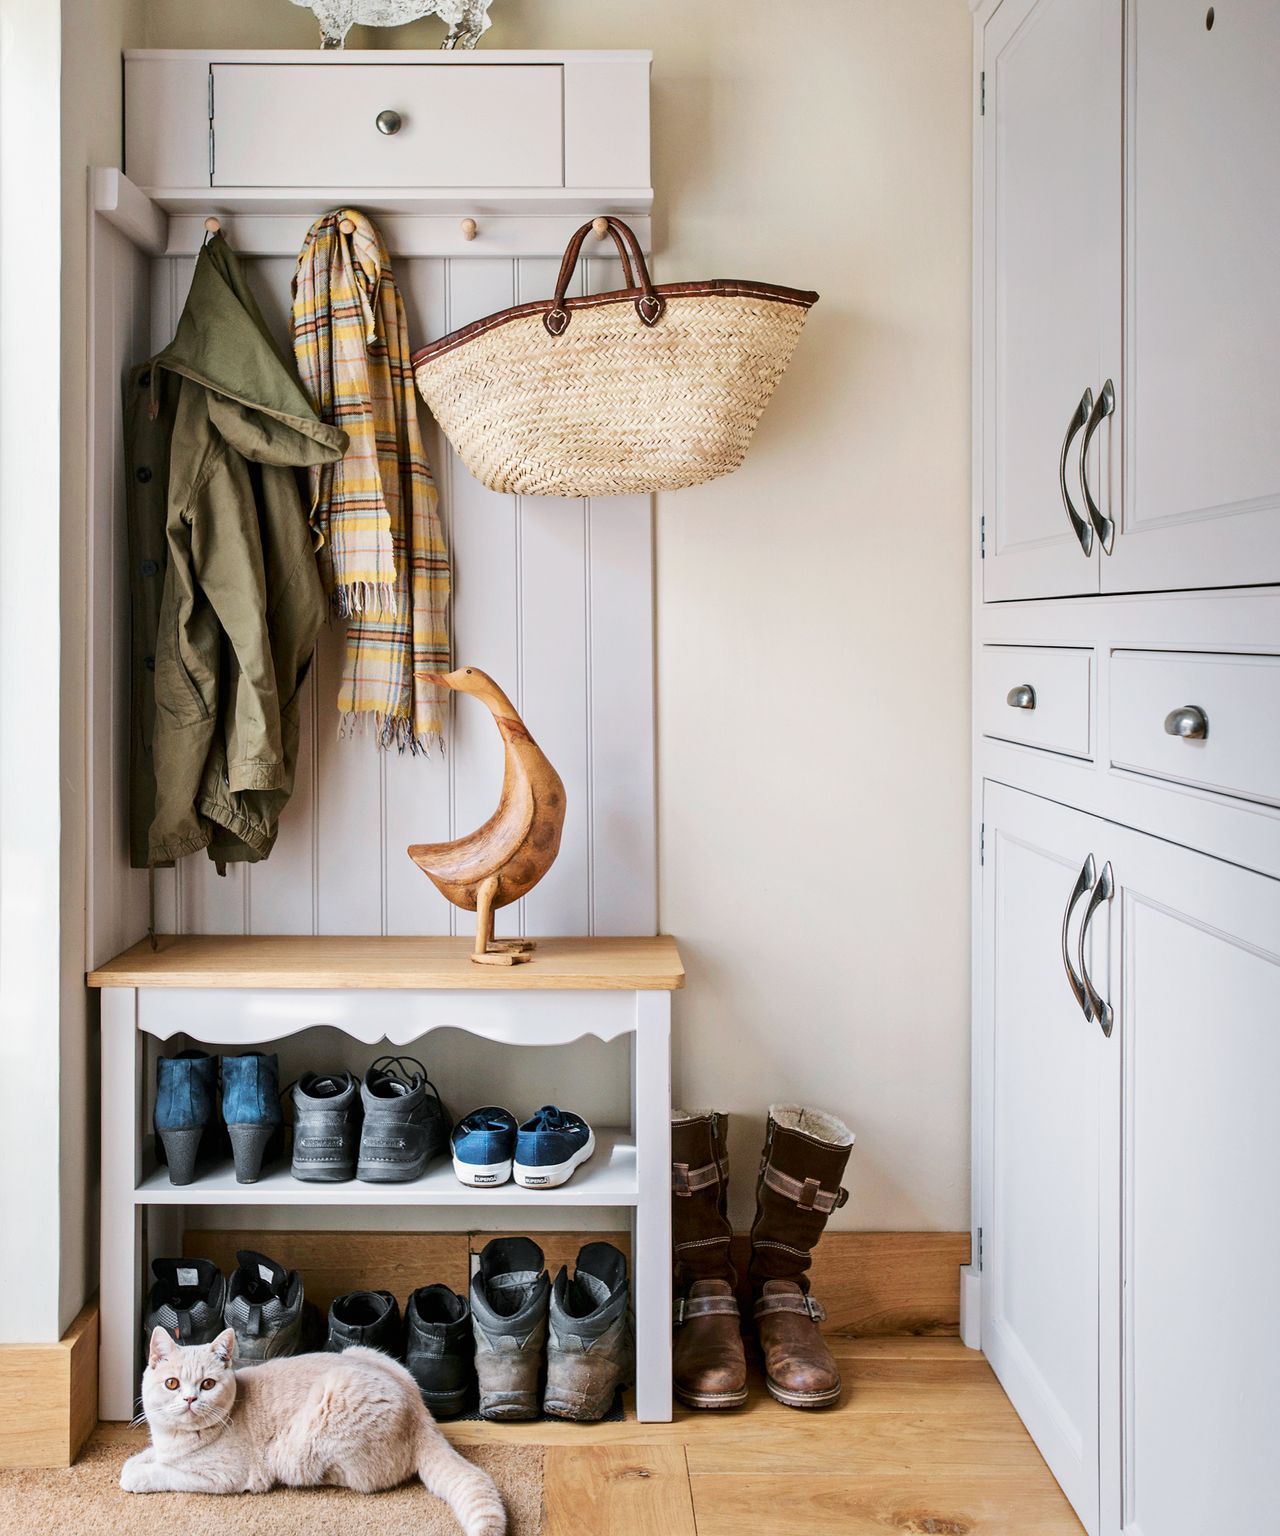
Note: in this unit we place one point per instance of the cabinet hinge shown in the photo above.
(982, 845)
(979, 1250)
(982, 103)
(210, 127)
(982, 537)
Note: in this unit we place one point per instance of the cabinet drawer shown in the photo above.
(1239, 697)
(482, 125)
(1058, 712)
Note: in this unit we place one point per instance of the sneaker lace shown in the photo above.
(394, 1066)
(484, 1120)
(549, 1118)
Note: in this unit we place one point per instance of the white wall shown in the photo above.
(812, 608)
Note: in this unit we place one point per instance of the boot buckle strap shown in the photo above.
(702, 1306)
(809, 1195)
(686, 1181)
(803, 1303)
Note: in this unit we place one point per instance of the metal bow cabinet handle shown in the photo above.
(1092, 1004)
(1103, 526)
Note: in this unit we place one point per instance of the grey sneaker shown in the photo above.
(590, 1353)
(440, 1348)
(509, 1297)
(326, 1127)
(264, 1306)
(186, 1300)
(405, 1124)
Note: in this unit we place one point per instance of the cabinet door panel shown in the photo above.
(1051, 148)
(1050, 1072)
(1201, 387)
(1199, 983)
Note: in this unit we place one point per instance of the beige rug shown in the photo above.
(87, 1500)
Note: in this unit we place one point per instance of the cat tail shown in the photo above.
(468, 1490)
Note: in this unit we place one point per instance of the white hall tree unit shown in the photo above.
(1126, 652)
(554, 598)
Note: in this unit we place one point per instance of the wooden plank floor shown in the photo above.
(925, 1443)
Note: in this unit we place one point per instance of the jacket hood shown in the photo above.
(223, 344)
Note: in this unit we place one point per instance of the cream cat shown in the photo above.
(350, 1420)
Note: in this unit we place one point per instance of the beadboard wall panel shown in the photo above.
(554, 598)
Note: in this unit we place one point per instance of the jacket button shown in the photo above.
(149, 567)
(144, 475)
(151, 663)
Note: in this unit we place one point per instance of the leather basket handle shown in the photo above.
(650, 305)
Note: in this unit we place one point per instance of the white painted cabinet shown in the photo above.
(1053, 1078)
(1128, 213)
(1129, 1231)
(1201, 503)
(1049, 286)
(1195, 1380)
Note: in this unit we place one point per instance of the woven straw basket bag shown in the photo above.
(644, 389)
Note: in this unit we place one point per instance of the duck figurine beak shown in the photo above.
(460, 680)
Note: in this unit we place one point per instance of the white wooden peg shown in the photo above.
(212, 225)
(469, 229)
(600, 228)
(347, 226)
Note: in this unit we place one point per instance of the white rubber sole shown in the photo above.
(551, 1175)
(482, 1175)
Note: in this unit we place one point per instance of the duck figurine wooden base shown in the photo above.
(506, 857)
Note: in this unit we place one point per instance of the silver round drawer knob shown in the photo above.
(1021, 697)
(1190, 722)
(388, 121)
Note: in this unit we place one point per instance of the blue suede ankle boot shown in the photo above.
(251, 1108)
(186, 1088)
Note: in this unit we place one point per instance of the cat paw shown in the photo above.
(137, 1475)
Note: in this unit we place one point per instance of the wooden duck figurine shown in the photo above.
(498, 862)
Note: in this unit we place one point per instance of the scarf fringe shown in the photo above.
(370, 599)
(391, 731)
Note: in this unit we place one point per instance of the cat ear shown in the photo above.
(162, 1346)
(224, 1346)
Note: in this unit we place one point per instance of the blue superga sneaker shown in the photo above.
(484, 1143)
(549, 1146)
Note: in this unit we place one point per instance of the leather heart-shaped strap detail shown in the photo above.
(650, 308)
(556, 320)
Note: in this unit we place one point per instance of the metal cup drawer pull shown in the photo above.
(1021, 697)
(388, 121)
(1190, 722)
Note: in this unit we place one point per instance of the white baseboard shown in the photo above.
(970, 1307)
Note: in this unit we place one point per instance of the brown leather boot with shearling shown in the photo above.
(709, 1364)
(804, 1158)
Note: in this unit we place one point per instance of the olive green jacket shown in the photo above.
(225, 596)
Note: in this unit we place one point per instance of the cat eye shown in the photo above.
(208, 1384)
(172, 1383)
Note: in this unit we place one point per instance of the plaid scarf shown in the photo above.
(380, 549)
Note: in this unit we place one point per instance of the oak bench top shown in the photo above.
(391, 964)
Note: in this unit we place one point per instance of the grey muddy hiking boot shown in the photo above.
(264, 1306)
(509, 1298)
(591, 1350)
(186, 1300)
(405, 1124)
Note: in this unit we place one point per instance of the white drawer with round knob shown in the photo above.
(1200, 718)
(1038, 695)
(387, 125)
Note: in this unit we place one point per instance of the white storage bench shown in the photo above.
(237, 993)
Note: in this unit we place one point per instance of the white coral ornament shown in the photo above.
(467, 19)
